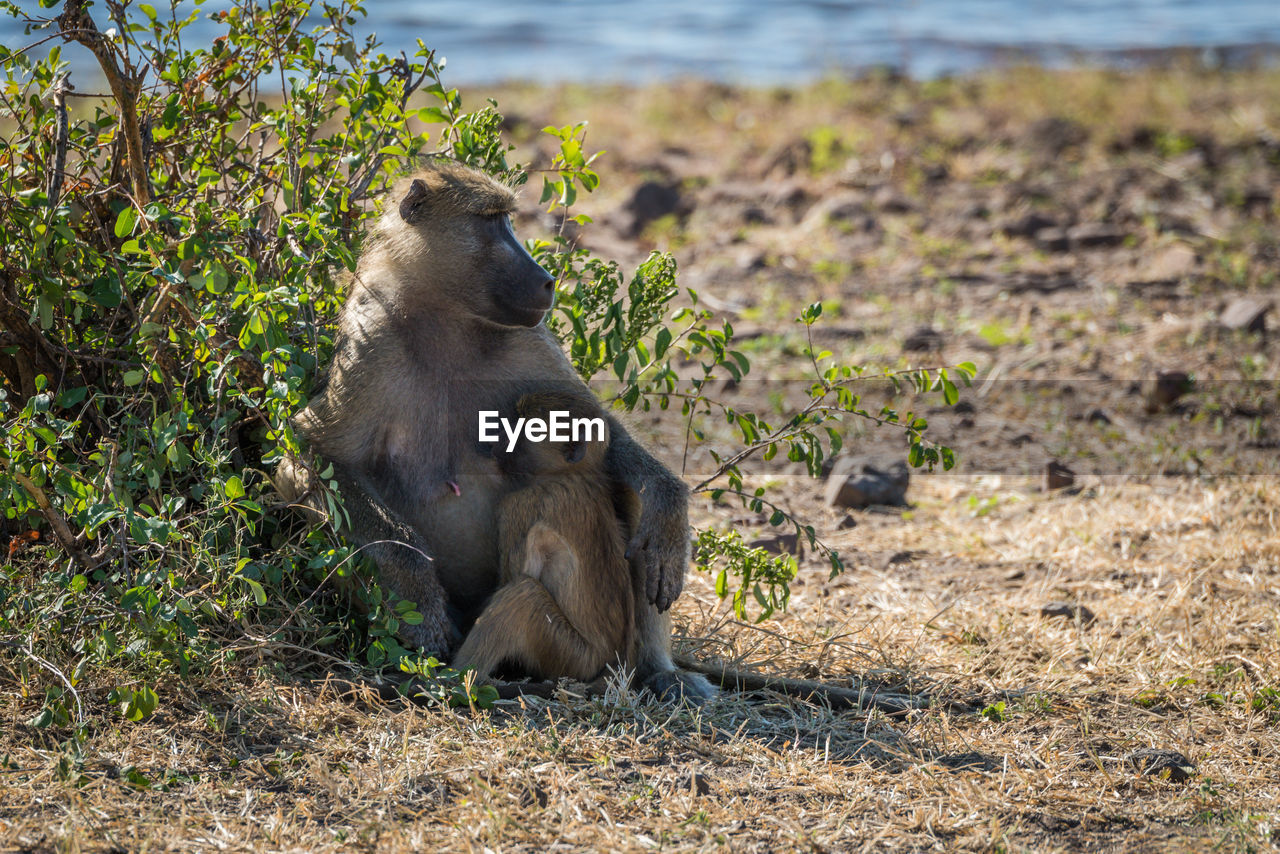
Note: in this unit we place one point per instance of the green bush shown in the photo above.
(173, 261)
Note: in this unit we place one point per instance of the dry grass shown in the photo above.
(944, 598)
(1184, 579)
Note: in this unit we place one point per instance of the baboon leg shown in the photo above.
(526, 620)
(522, 623)
(654, 667)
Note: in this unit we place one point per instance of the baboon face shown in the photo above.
(464, 218)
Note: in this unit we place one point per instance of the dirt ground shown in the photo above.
(1099, 661)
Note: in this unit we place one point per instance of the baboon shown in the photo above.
(444, 320)
(565, 605)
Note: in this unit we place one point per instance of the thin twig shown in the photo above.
(57, 173)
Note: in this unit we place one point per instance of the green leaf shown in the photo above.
(661, 342)
(949, 392)
(259, 594)
(234, 487)
(141, 704)
(125, 221)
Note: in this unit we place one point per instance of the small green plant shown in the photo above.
(996, 712)
(827, 150)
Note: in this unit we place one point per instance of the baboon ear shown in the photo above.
(414, 203)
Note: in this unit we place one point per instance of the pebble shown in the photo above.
(1154, 762)
(779, 544)
(1058, 476)
(1052, 240)
(1165, 389)
(1090, 235)
(1247, 313)
(859, 482)
(923, 339)
(651, 200)
(1070, 610)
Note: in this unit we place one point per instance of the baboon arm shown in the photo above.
(659, 546)
(404, 566)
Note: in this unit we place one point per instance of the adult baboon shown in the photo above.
(444, 320)
(565, 605)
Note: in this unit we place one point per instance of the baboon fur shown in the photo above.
(445, 319)
(566, 604)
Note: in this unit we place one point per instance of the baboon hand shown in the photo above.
(660, 551)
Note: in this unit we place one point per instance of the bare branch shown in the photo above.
(76, 25)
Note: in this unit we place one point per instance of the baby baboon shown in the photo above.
(565, 605)
(444, 320)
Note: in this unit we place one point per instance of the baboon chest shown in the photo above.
(454, 484)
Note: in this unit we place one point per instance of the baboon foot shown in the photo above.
(680, 685)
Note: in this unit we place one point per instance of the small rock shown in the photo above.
(751, 259)
(1092, 235)
(1015, 574)
(1154, 762)
(923, 339)
(1058, 476)
(1055, 134)
(847, 522)
(1052, 240)
(859, 482)
(1028, 225)
(786, 159)
(1173, 262)
(1071, 611)
(1258, 200)
(791, 194)
(779, 544)
(1041, 283)
(1247, 313)
(964, 407)
(936, 172)
(1166, 388)
(1098, 416)
(651, 200)
(891, 201)
(788, 198)
(841, 207)
(907, 118)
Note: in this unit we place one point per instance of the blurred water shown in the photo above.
(772, 41)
